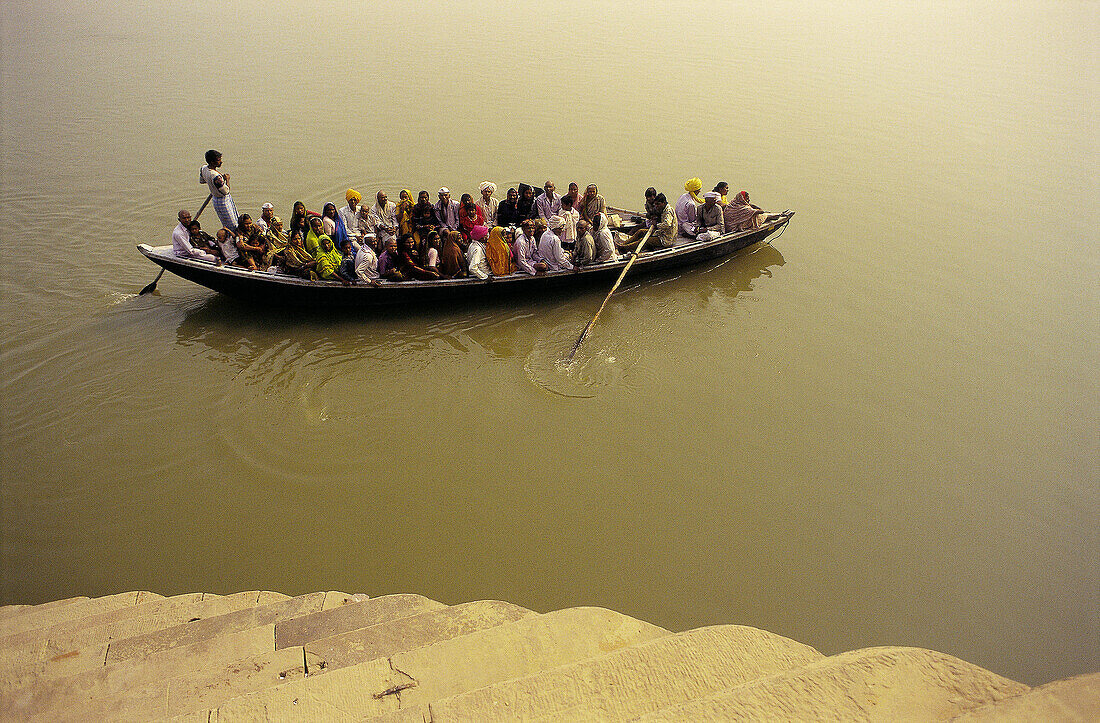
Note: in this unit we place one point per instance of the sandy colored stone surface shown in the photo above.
(47, 614)
(8, 610)
(385, 639)
(516, 649)
(873, 684)
(336, 620)
(635, 680)
(113, 680)
(234, 622)
(354, 693)
(1072, 699)
(334, 599)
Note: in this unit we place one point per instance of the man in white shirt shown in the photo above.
(382, 219)
(550, 250)
(267, 212)
(366, 265)
(549, 203)
(181, 240)
(218, 183)
(475, 253)
(487, 203)
(687, 214)
(446, 211)
(349, 214)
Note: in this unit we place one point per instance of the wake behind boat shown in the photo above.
(284, 289)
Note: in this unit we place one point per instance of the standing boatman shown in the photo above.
(219, 189)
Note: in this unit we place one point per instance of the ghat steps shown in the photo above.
(332, 656)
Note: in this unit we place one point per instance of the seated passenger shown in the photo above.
(722, 189)
(446, 211)
(487, 203)
(423, 218)
(181, 240)
(469, 215)
(475, 253)
(605, 242)
(299, 219)
(687, 214)
(525, 250)
(366, 265)
(329, 261)
(405, 205)
(389, 262)
(708, 221)
(508, 211)
(569, 218)
(267, 212)
(650, 220)
(349, 215)
(592, 204)
(275, 243)
(382, 219)
(525, 207)
(740, 215)
(313, 238)
(226, 241)
(204, 241)
(250, 243)
(665, 229)
(432, 248)
(498, 253)
(549, 203)
(296, 260)
(451, 261)
(408, 262)
(334, 227)
(574, 195)
(550, 250)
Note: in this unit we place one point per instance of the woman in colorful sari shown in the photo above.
(296, 260)
(450, 261)
(469, 215)
(299, 219)
(276, 242)
(430, 255)
(404, 212)
(499, 254)
(329, 260)
(313, 238)
(334, 226)
(407, 261)
(740, 215)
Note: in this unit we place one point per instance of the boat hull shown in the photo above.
(279, 289)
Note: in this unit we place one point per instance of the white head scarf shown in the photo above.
(555, 222)
(488, 184)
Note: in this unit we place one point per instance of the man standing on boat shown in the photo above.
(218, 183)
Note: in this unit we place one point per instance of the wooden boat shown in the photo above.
(278, 288)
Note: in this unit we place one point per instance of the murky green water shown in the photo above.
(880, 430)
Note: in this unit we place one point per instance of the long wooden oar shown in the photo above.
(150, 287)
(588, 328)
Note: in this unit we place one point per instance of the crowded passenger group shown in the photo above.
(413, 238)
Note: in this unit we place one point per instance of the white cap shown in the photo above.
(444, 190)
(267, 205)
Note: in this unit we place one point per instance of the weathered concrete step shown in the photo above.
(406, 633)
(74, 630)
(47, 614)
(446, 668)
(117, 680)
(196, 689)
(8, 610)
(86, 648)
(334, 621)
(884, 684)
(213, 627)
(636, 680)
(1072, 699)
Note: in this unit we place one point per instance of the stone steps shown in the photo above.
(52, 613)
(870, 684)
(1073, 699)
(334, 656)
(636, 680)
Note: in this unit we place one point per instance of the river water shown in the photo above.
(880, 429)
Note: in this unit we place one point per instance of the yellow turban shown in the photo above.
(693, 186)
(353, 195)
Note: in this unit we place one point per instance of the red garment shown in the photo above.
(467, 222)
